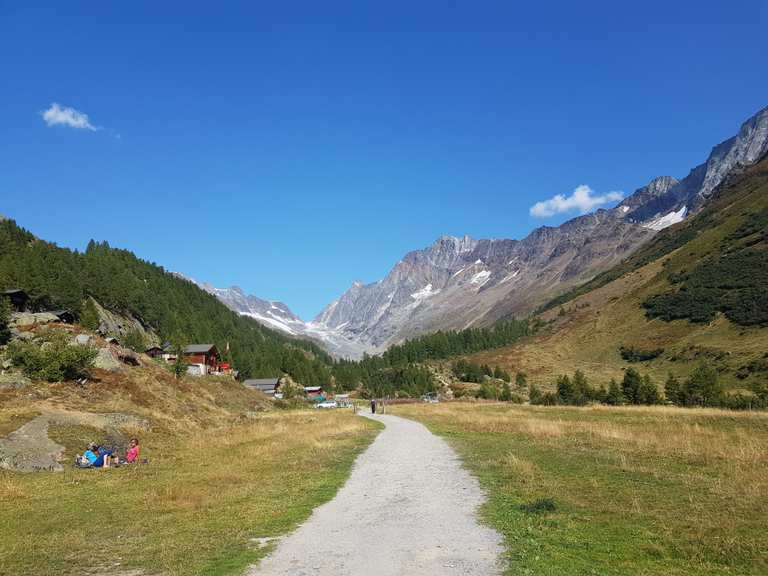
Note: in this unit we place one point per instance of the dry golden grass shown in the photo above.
(224, 468)
(194, 509)
(641, 490)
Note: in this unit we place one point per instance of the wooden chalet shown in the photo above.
(204, 355)
(18, 298)
(64, 316)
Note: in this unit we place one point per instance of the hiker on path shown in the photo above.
(373, 406)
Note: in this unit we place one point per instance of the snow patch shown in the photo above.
(667, 220)
(280, 325)
(425, 292)
(481, 277)
(625, 209)
(510, 276)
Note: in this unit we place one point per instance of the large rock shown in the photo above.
(31, 318)
(13, 381)
(81, 339)
(106, 360)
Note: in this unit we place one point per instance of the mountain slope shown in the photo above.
(176, 310)
(461, 282)
(667, 298)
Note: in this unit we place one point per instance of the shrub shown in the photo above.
(89, 317)
(632, 354)
(134, 339)
(54, 360)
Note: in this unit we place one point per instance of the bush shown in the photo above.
(134, 339)
(89, 317)
(54, 360)
(632, 354)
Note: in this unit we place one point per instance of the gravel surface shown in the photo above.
(409, 508)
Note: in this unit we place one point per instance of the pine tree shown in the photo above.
(703, 387)
(647, 393)
(521, 379)
(615, 396)
(630, 385)
(565, 389)
(582, 392)
(506, 392)
(672, 390)
(89, 317)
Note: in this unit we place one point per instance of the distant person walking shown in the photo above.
(373, 406)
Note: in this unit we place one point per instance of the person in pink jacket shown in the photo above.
(132, 454)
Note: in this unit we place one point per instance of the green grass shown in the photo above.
(193, 510)
(642, 491)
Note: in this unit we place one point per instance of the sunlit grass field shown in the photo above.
(646, 491)
(195, 509)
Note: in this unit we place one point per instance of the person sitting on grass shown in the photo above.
(103, 459)
(132, 454)
(85, 459)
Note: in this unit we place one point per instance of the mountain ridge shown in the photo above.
(460, 282)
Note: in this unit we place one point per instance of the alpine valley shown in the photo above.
(464, 282)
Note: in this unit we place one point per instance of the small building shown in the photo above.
(205, 355)
(314, 393)
(154, 351)
(18, 299)
(268, 386)
(64, 316)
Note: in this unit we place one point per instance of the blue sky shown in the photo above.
(294, 147)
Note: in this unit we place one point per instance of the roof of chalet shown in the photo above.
(13, 291)
(262, 383)
(312, 388)
(198, 348)
(60, 312)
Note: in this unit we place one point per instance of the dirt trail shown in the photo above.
(408, 508)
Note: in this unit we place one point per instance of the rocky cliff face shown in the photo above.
(461, 282)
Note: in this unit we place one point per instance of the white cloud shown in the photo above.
(57, 115)
(583, 199)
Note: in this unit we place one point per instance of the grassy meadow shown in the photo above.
(195, 509)
(616, 491)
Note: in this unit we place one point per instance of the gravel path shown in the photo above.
(407, 509)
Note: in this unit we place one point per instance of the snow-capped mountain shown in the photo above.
(462, 282)
(278, 316)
